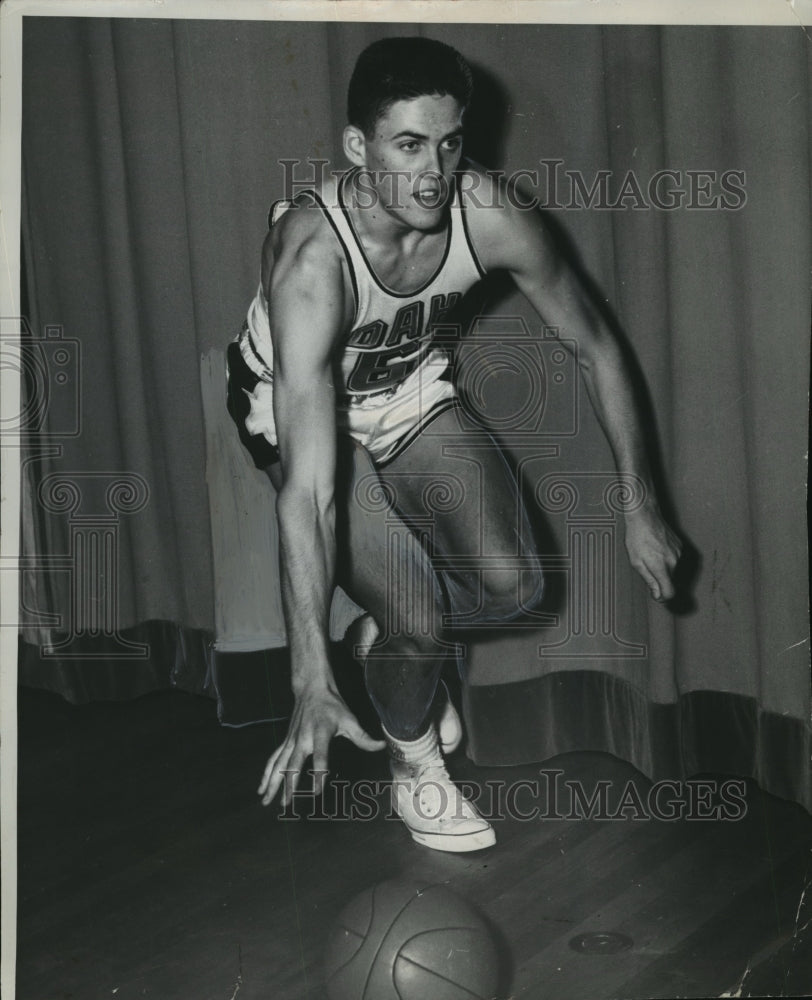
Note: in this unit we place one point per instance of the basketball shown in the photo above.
(396, 941)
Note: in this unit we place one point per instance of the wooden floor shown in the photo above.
(148, 869)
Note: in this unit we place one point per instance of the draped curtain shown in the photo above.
(151, 152)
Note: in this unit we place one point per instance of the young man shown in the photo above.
(344, 395)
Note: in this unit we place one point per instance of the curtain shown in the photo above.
(151, 152)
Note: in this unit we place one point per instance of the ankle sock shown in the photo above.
(414, 752)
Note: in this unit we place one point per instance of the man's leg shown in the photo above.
(457, 492)
(459, 485)
(452, 495)
(360, 637)
(383, 567)
(387, 571)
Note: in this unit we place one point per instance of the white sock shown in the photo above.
(414, 752)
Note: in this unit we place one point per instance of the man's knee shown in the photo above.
(499, 594)
(425, 646)
(509, 594)
(533, 586)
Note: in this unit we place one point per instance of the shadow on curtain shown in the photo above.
(151, 152)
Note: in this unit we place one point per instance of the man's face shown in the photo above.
(411, 156)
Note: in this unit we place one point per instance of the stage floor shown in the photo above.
(147, 868)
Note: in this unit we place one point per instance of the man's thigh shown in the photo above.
(457, 485)
(377, 552)
(460, 480)
(382, 563)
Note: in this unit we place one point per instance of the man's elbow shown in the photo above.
(598, 349)
(308, 504)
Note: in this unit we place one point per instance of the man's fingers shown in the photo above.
(666, 588)
(659, 583)
(275, 779)
(319, 766)
(361, 739)
(663, 570)
(286, 764)
(651, 580)
(291, 776)
(269, 768)
(272, 788)
(275, 770)
(654, 550)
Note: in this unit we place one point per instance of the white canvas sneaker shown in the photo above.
(435, 811)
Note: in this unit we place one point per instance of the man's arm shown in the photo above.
(307, 312)
(518, 241)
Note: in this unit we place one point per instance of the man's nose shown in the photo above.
(434, 161)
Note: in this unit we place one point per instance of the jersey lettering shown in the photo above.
(408, 324)
(441, 306)
(368, 337)
(377, 369)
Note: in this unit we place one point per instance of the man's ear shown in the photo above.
(355, 148)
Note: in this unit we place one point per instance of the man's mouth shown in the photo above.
(430, 196)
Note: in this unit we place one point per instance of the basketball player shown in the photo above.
(344, 395)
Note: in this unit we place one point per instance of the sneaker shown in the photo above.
(436, 813)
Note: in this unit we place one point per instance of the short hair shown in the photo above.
(397, 69)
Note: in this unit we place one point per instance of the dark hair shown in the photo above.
(396, 69)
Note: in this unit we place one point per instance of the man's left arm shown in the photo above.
(518, 241)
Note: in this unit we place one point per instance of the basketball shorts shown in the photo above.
(249, 400)
(384, 423)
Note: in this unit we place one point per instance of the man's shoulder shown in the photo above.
(490, 217)
(476, 182)
(301, 223)
(504, 225)
(488, 195)
(300, 237)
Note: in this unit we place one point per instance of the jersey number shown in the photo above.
(386, 360)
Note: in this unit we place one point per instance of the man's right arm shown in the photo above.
(307, 313)
(306, 303)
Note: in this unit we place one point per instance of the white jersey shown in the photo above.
(394, 374)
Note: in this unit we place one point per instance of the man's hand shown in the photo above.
(319, 714)
(653, 549)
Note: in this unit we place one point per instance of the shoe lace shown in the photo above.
(432, 770)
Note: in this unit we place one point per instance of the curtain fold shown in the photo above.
(151, 158)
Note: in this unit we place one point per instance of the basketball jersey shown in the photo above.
(393, 372)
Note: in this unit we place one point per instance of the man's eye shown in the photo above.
(409, 146)
(453, 143)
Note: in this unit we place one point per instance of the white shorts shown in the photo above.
(385, 423)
